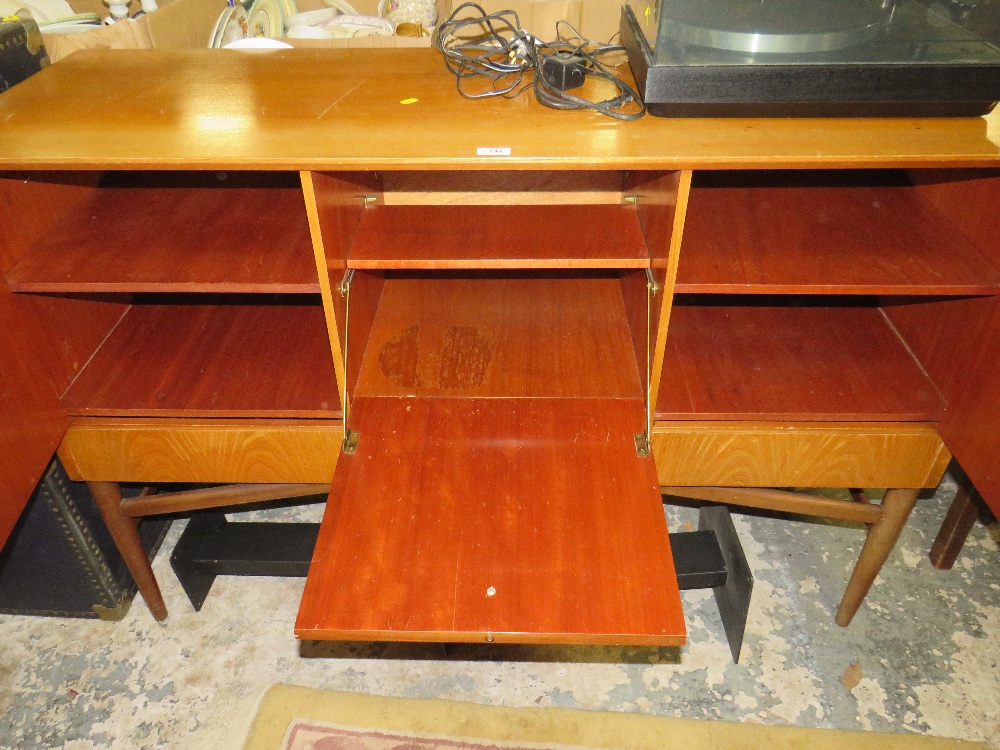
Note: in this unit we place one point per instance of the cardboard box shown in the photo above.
(178, 24)
(187, 24)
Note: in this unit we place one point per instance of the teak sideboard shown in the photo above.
(496, 332)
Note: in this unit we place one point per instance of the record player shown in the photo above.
(775, 58)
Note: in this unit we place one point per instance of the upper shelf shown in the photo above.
(823, 232)
(498, 237)
(178, 232)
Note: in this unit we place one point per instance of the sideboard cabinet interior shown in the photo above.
(487, 362)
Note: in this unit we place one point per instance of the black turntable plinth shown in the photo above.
(814, 58)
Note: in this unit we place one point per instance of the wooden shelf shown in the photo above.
(823, 232)
(514, 335)
(178, 232)
(497, 237)
(767, 361)
(506, 520)
(270, 359)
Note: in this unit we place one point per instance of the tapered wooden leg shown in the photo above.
(962, 514)
(123, 530)
(882, 536)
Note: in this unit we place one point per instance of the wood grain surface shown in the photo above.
(512, 520)
(789, 360)
(352, 108)
(31, 421)
(201, 450)
(71, 327)
(824, 232)
(177, 232)
(538, 236)
(501, 335)
(798, 454)
(238, 357)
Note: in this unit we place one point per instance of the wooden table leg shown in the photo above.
(882, 536)
(123, 530)
(962, 514)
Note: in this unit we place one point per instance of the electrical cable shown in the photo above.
(494, 48)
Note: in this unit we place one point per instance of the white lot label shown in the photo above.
(493, 151)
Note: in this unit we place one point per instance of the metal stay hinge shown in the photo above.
(651, 284)
(369, 201)
(642, 444)
(345, 283)
(351, 439)
(630, 200)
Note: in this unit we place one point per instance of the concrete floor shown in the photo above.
(925, 645)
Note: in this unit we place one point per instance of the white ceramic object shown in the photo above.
(252, 43)
(68, 27)
(265, 19)
(342, 5)
(308, 32)
(40, 10)
(233, 24)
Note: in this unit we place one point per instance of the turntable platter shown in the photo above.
(774, 26)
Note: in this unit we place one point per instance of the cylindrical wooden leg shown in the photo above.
(123, 530)
(882, 536)
(962, 514)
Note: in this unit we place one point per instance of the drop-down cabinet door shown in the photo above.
(526, 520)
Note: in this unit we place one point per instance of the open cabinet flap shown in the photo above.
(494, 519)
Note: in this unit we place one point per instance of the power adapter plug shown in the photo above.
(564, 71)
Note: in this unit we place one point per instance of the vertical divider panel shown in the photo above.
(661, 200)
(335, 205)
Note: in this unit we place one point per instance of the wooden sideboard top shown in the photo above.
(399, 109)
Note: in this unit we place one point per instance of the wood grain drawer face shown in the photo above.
(741, 454)
(166, 450)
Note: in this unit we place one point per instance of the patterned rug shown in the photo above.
(297, 718)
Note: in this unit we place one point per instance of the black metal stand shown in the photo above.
(211, 546)
(712, 557)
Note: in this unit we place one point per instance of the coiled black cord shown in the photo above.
(504, 54)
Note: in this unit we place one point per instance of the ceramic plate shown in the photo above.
(233, 24)
(47, 10)
(68, 27)
(265, 19)
(288, 8)
(220, 23)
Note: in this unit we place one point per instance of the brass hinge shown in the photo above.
(351, 439)
(630, 200)
(651, 284)
(370, 201)
(642, 444)
(345, 283)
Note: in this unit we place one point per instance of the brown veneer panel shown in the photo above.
(72, 328)
(514, 335)
(188, 232)
(31, 421)
(225, 360)
(441, 236)
(772, 361)
(514, 520)
(823, 233)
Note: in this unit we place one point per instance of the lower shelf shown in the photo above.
(507, 520)
(265, 359)
(746, 358)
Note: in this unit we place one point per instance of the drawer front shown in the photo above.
(741, 454)
(166, 450)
